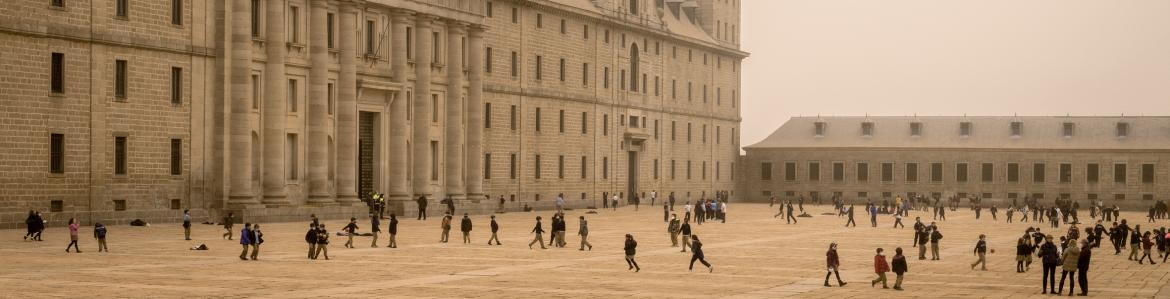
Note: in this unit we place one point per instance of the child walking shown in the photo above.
(697, 254)
(880, 267)
(99, 233)
(73, 228)
(631, 249)
(981, 251)
(899, 266)
(350, 229)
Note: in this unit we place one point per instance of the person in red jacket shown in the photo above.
(880, 267)
(832, 263)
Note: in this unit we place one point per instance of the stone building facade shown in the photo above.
(122, 109)
(1121, 160)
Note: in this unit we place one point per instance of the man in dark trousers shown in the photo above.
(422, 207)
(495, 228)
(1083, 267)
(1051, 258)
(789, 217)
(393, 231)
(850, 214)
(465, 227)
(918, 227)
(921, 236)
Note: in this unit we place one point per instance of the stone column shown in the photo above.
(275, 100)
(347, 106)
(421, 169)
(240, 132)
(453, 136)
(475, 112)
(318, 142)
(398, 125)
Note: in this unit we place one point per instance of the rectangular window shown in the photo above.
(371, 31)
(1147, 173)
(585, 74)
(936, 172)
(294, 20)
(561, 122)
(176, 156)
(765, 171)
(584, 122)
(961, 172)
(515, 15)
(177, 12)
(1068, 129)
(563, 29)
(436, 47)
(487, 115)
(176, 85)
(435, 108)
(539, 62)
(57, 73)
(434, 160)
(688, 169)
(688, 132)
(292, 95)
(488, 9)
(584, 166)
(1092, 172)
(537, 121)
(329, 30)
(655, 169)
(562, 70)
(790, 171)
(331, 98)
(1038, 172)
(57, 153)
(256, 18)
(911, 172)
(120, 79)
(539, 20)
(409, 43)
(915, 129)
(814, 171)
(560, 167)
(605, 168)
(656, 132)
(606, 36)
(515, 64)
(867, 129)
(964, 129)
(487, 59)
(862, 172)
(120, 155)
(256, 89)
(1013, 174)
(672, 170)
(838, 171)
(1122, 130)
(512, 167)
(119, 205)
(1065, 173)
(887, 172)
(690, 96)
(988, 172)
(487, 166)
(605, 80)
(605, 125)
(292, 157)
(58, 3)
(819, 128)
(1017, 129)
(121, 8)
(1119, 173)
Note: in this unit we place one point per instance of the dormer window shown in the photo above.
(819, 128)
(1068, 129)
(1122, 129)
(964, 129)
(1017, 129)
(915, 129)
(867, 129)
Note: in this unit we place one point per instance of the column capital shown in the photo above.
(456, 27)
(423, 21)
(350, 6)
(318, 3)
(401, 15)
(475, 30)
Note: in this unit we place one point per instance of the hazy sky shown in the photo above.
(950, 57)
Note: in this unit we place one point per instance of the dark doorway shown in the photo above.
(366, 141)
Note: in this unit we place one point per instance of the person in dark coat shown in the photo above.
(1022, 252)
(393, 231)
(1051, 259)
(1083, 267)
(899, 267)
(31, 224)
(375, 228)
(832, 263)
(422, 207)
(245, 240)
(631, 249)
(850, 213)
(495, 228)
(539, 239)
(465, 227)
(697, 254)
(311, 238)
(256, 239)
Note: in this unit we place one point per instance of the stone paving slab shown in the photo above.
(755, 256)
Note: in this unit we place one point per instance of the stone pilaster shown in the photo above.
(275, 103)
(240, 132)
(320, 191)
(399, 166)
(421, 139)
(475, 106)
(347, 105)
(453, 135)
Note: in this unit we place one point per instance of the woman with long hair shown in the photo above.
(73, 228)
(631, 249)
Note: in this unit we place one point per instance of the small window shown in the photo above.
(814, 171)
(120, 149)
(765, 171)
(120, 79)
(176, 204)
(1068, 128)
(867, 129)
(255, 7)
(936, 172)
(539, 20)
(56, 205)
(512, 167)
(537, 121)
(371, 42)
(1017, 128)
(512, 118)
(1147, 197)
(176, 156)
(57, 153)
(58, 3)
(1013, 172)
(256, 90)
(177, 12)
(294, 24)
(292, 157)
(57, 80)
(539, 63)
(964, 129)
(1122, 130)
(119, 205)
(488, 9)
(911, 172)
(487, 59)
(331, 97)
(515, 15)
(887, 172)
(1147, 173)
(293, 98)
(1065, 173)
(1119, 174)
(1092, 172)
(819, 128)
(563, 28)
(121, 8)
(862, 172)
(176, 85)
(1038, 173)
(487, 166)
(915, 129)
(1120, 196)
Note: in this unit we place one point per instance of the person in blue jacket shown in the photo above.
(245, 240)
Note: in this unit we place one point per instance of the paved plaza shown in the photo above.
(754, 255)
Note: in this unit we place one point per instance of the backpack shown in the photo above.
(100, 232)
(311, 236)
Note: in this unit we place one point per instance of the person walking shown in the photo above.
(631, 247)
(560, 202)
(1023, 249)
(30, 224)
(1049, 256)
(789, 217)
(880, 267)
(697, 254)
(935, 236)
(228, 221)
(1083, 267)
(257, 239)
(560, 230)
(918, 228)
(980, 251)
(673, 229)
(465, 227)
(350, 230)
(873, 215)
(850, 214)
(1070, 259)
(187, 224)
(495, 228)
(393, 231)
(1135, 242)
(899, 267)
(583, 231)
(898, 220)
(446, 226)
(539, 239)
(322, 242)
(665, 212)
(73, 228)
(833, 264)
(245, 240)
(311, 238)
(422, 207)
(685, 230)
(375, 228)
(1147, 245)
(99, 233)
(723, 212)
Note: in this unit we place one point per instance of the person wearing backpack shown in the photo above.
(187, 224)
(311, 238)
(99, 233)
(322, 242)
